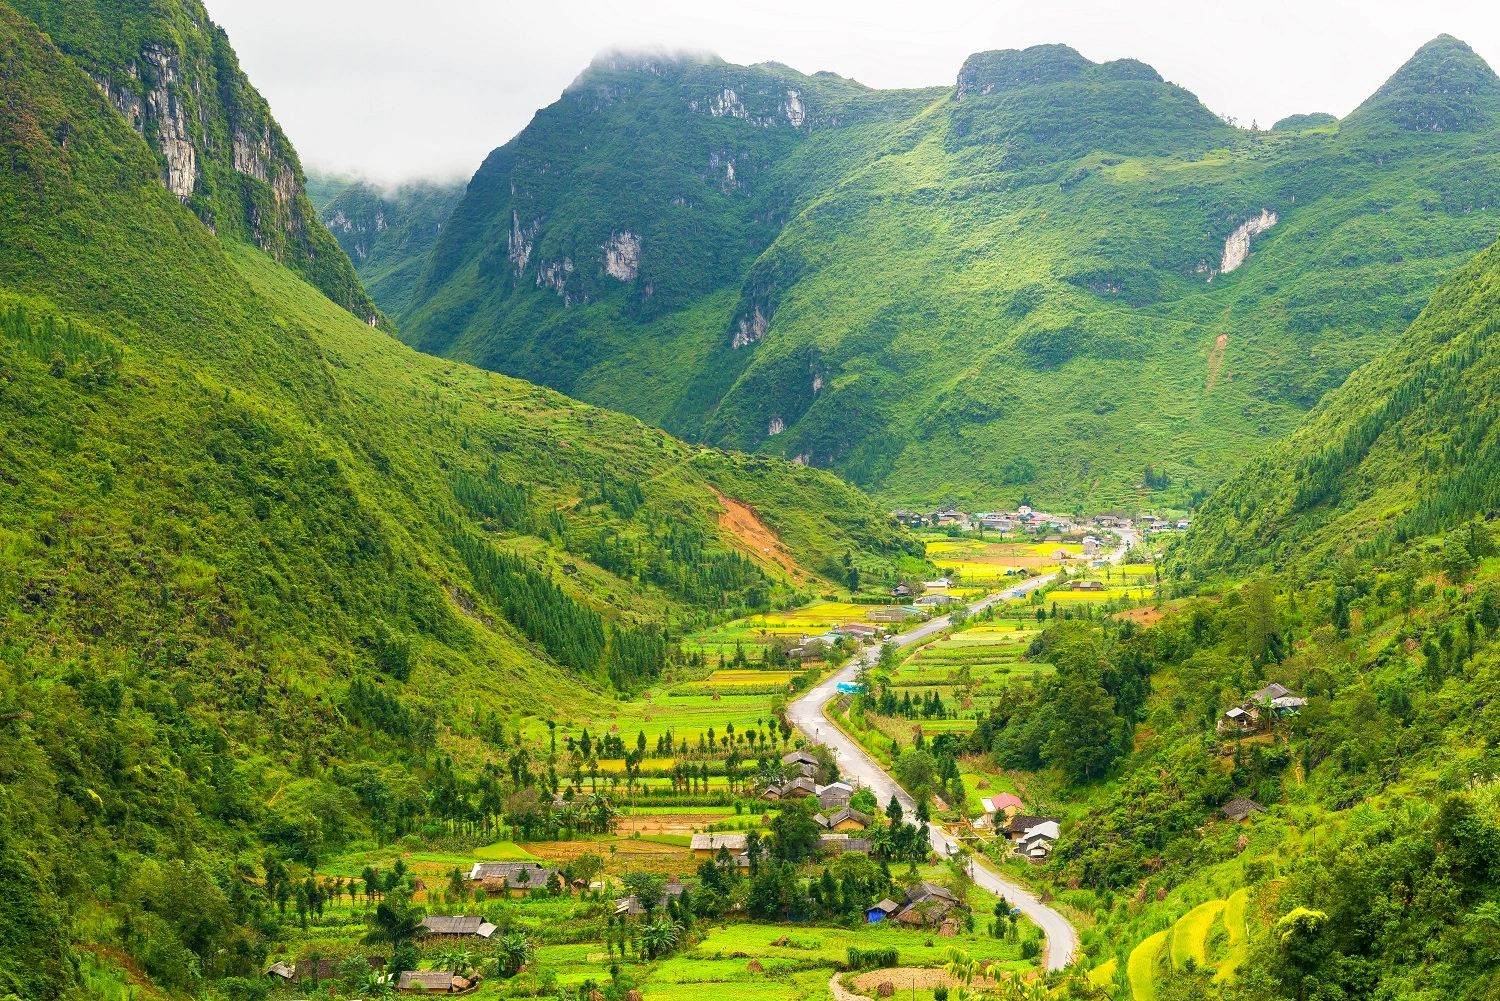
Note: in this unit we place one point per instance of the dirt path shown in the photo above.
(839, 994)
(741, 521)
(1216, 360)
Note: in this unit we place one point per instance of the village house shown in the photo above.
(804, 761)
(1087, 585)
(708, 845)
(858, 630)
(881, 911)
(1090, 546)
(899, 614)
(1240, 809)
(458, 925)
(431, 981)
(842, 844)
(941, 584)
(901, 591)
(843, 820)
(835, 795)
(926, 904)
(1020, 824)
(1260, 709)
(510, 876)
(632, 906)
(1001, 807)
(1036, 842)
(935, 601)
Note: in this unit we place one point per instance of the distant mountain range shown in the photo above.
(1040, 280)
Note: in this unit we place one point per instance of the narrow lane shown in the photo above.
(807, 715)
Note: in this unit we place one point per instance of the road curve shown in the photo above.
(807, 715)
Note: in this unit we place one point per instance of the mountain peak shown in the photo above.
(1003, 70)
(1444, 65)
(1444, 87)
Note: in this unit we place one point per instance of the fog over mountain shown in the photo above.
(440, 87)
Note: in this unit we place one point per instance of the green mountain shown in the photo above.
(270, 579)
(1404, 450)
(386, 233)
(1040, 280)
(172, 74)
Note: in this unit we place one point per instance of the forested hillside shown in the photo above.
(270, 579)
(1403, 452)
(1041, 279)
(174, 77)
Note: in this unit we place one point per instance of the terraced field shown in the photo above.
(1141, 968)
(1213, 934)
(991, 651)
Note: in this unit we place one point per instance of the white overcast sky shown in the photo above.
(395, 90)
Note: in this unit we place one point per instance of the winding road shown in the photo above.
(807, 715)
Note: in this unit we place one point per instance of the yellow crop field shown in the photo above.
(1104, 973)
(730, 678)
(1234, 915)
(1191, 932)
(1142, 967)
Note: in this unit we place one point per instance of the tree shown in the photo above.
(795, 834)
(646, 887)
(396, 921)
(515, 952)
(893, 811)
(917, 770)
(1086, 739)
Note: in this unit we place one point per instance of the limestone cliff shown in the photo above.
(171, 72)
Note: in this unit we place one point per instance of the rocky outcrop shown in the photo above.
(1237, 245)
(622, 256)
(520, 241)
(749, 329)
(179, 85)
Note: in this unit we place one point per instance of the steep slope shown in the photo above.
(1405, 449)
(388, 233)
(1042, 280)
(600, 251)
(270, 580)
(171, 72)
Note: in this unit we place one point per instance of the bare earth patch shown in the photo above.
(741, 521)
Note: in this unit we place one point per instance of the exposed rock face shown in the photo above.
(554, 275)
(727, 102)
(750, 329)
(221, 152)
(521, 238)
(794, 109)
(1237, 246)
(776, 426)
(622, 256)
(166, 111)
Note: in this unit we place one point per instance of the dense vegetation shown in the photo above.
(1406, 450)
(962, 294)
(175, 78)
(259, 563)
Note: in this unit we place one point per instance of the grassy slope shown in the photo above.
(994, 294)
(1403, 450)
(224, 499)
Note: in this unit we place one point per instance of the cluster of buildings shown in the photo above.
(1031, 837)
(1026, 519)
(1260, 710)
(925, 905)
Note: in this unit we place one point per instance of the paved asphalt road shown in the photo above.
(807, 715)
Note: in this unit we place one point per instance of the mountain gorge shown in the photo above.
(1038, 280)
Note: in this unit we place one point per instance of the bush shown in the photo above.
(872, 959)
